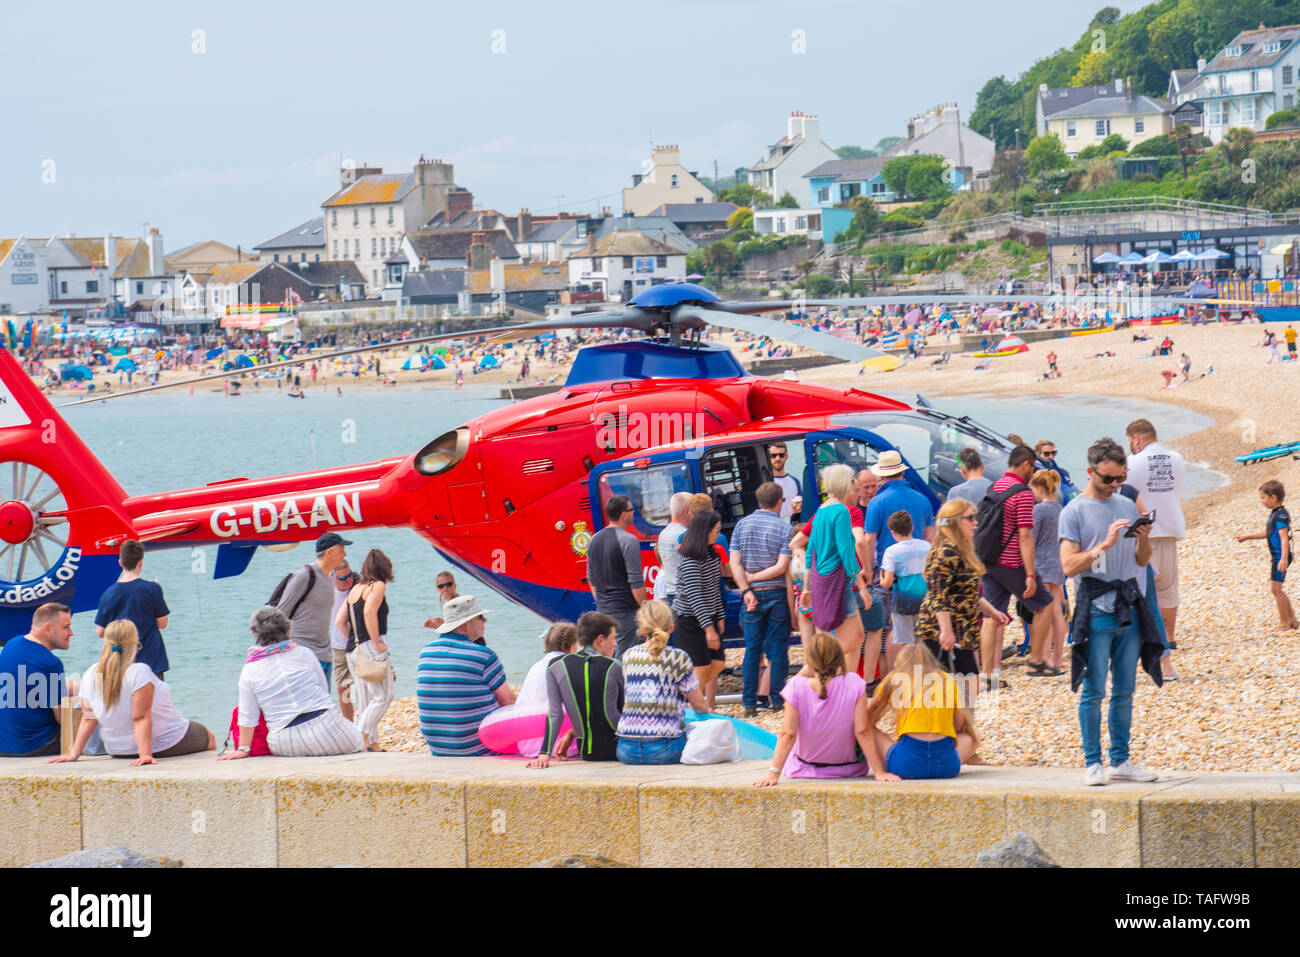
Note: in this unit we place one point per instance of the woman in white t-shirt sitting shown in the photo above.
(133, 707)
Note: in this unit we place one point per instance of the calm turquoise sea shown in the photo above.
(163, 442)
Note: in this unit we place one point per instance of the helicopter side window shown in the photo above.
(843, 450)
(650, 490)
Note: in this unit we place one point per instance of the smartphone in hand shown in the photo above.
(1147, 519)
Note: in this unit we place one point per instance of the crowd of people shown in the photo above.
(900, 606)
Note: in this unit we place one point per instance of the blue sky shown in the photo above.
(242, 140)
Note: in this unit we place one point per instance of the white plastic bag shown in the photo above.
(713, 741)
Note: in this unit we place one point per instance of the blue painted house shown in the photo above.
(838, 181)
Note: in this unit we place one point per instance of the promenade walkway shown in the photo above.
(414, 810)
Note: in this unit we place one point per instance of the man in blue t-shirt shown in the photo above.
(139, 602)
(32, 685)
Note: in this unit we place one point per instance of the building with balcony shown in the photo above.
(1254, 76)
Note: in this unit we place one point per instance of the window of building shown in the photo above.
(849, 190)
(303, 257)
(390, 215)
(1248, 111)
(878, 189)
(317, 257)
(372, 215)
(627, 262)
(801, 222)
(139, 289)
(1070, 128)
(356, 217)
(1288, 102)
(673, 182)
(334, 217)
(1223, 83)
(336, 249)
(1287, 75)
(661, 262)
(63, 288)
(374, 277)
(823, 194)
(1102, 128)
(1139, 125)
(374, 247)
(780, 224)
(1254, 81)
(1272, 46)
(275, 257)
(1233, 51)
(1214, 113)
(92, 285)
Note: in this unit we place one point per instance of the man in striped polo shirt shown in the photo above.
(760, 555)
(459, 682)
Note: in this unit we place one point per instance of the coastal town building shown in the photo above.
(1252, 77)
(939, 131)
(251, 283)
(304, 243)
(785, 162)
(840, 180)
(202, 257)
(557, 241)
(82, 275)
(367, 217)
(818, 223)
(665, 180)
(702, 222)
(1084, 116)
(624, 263)
(24, 282)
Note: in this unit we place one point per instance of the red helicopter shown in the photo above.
(511, 497)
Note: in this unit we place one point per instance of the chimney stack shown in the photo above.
(480, 252)
(1200, 65)
(459, 200)
(525, 224)
(1128, 88)
(156, 267)
(110, 257)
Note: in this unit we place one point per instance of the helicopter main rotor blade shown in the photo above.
(630, 318)
(776, 329)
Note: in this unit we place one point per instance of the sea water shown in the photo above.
(168, 441)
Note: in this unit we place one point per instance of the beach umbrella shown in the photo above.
(1183, 256)
(1107, 257)
(124, 365)
(1211, 253)
(416, 361)
(913, 316)
(1132, 257)
(693, 276)
(1157, 257)
(1011, 342)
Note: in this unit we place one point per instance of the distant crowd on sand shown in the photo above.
(900, 607)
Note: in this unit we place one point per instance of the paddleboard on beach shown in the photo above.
(1272, 452)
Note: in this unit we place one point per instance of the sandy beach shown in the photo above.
(1237, 674)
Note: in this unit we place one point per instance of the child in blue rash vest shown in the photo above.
(1277, 532)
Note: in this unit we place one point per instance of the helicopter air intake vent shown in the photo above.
(538, 466)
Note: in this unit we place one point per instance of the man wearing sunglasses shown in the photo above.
(344, 578)
(779, 455)
(1113, 624)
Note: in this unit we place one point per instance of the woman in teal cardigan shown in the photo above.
(834, 573)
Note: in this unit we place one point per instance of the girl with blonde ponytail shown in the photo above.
(132, 707)
(658, 682)
(825, 726)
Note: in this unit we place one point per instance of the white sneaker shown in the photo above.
(1128, 771)
(1095, 774)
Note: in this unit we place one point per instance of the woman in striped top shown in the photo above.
(701, 615)
(658, 683)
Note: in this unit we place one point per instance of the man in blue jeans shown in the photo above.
(1095, 545)
(759, 557)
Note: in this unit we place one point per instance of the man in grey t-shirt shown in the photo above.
(614, 571)
(974, 485)
(312, 591)
(1094, 545)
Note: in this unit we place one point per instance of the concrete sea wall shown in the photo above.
(414, 810)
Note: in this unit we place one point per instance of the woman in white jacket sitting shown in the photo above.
(132, 707)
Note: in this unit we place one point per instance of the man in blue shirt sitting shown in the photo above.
(32, 685)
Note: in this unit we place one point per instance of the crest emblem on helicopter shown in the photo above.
(580, 540)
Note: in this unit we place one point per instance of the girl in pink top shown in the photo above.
(825, 719)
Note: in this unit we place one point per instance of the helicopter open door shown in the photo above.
(857, 448)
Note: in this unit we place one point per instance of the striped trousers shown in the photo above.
(330, 733)
(372, 698)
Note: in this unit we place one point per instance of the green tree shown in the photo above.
(1008, 171)
(997, 112)
(915, 177)
(1184, 141)
(742, 218)
(854, 152)
(1113, 144)
(1235, 145)
(787, 201)
(1160, 145)
(1045, 153)
(886, 143)
(720, 257)
(1280, 117)
(818, 285)
(866, 217)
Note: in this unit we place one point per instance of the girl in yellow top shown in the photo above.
(936, 735)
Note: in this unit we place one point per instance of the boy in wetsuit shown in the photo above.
(588, 685)
(1278, 535)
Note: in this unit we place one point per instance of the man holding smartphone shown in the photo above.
(1113, 621)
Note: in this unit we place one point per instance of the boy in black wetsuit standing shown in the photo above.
(1278, 535)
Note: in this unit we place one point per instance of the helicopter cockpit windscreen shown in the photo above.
(650, 490)
(930, 441)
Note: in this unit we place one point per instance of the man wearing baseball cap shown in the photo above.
(459, 682)
(308, 599)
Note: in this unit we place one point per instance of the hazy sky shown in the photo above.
(237, 134)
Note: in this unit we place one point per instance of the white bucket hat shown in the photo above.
(459, 610)
(890, 463)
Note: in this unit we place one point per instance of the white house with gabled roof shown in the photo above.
(782, 168)
(1252, 77)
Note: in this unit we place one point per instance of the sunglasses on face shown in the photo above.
(442, 585)
(779, 455)
(1110, 479)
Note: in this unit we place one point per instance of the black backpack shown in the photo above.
(279, 591)
(989, 540)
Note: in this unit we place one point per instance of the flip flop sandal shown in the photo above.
(1041, 670)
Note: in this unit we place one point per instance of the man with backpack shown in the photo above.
(1004, 542)
(306, 597)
